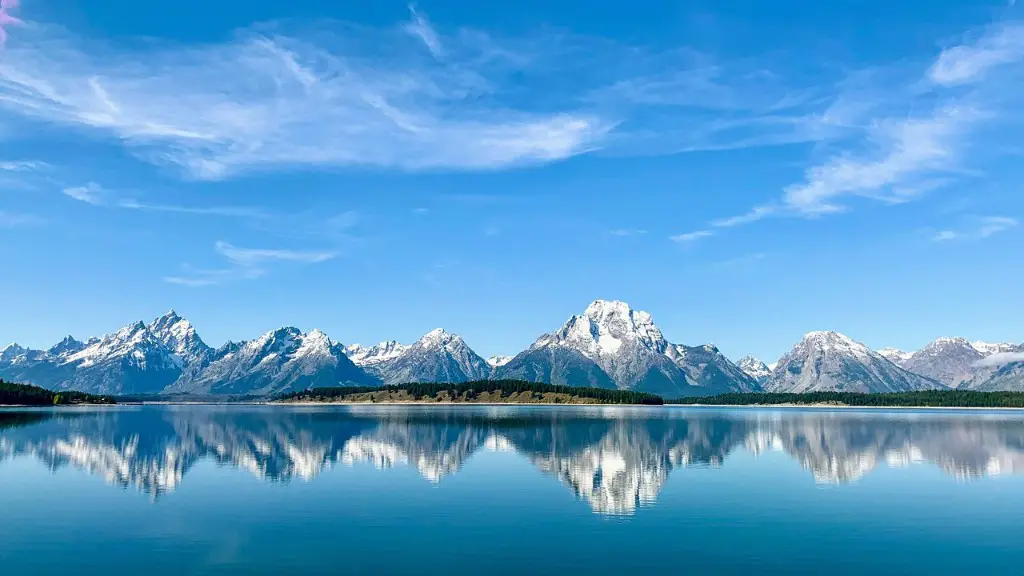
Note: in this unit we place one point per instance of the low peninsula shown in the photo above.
(28, 395)
(479, 392)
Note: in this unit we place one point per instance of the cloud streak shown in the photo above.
(690, 236)
(257, 256)
(999, 359)
(244, 264)
(984, 228)
(22, 166)
(274, 98)
(897, 156)
(16, 220)
(91, 193)
(419, 27)
(6, 19)
(969, 62)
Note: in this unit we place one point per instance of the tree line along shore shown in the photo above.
(522, 392)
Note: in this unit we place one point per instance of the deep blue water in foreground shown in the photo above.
(509, 490)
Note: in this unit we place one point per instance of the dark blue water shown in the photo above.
(509, 490)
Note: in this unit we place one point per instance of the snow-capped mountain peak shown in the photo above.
(439, 356)
(606, 330)
(498, 360)
(828, 360)
(754, 368)
(12, 351)
(178, 335)
(382, 352)
(988, 349)
(66, 346)
(437, 337)
(895, 355)
(948, 360)
(629, 349)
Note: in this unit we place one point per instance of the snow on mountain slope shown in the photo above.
(754, 368)
(180, 337)
(630, 350)
(438, 356)
(829, 361)
(383, 352)
(498, 361)
(895, 355)
(281, 360)
(988, 349)
(948, 360)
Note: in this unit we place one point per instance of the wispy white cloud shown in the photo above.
(198, 277)
(982, 228)
(905, 150)
(274, 98)
(257, 256)
(227, 211)
(690, 236)
(999, 359)
(91, 193)
(15, 220)
(22, 165)
(969, 62)
(739, 262)
(97, 195)
(244, 264)
(755, 214)
(627, 232)
(420, 27)
(895, 157)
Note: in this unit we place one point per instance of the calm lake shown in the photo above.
(509, 490)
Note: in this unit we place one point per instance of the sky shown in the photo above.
(746, 172)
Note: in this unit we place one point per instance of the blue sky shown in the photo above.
(747, 173)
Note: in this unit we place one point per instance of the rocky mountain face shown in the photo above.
(1008, 375)
(829, 361)
(436, 357)
(895, 355)
(167, 355)
(1003, 370)
(498, 361)
(137, 359)
(948, 360)
(754, 368)
(282, 360)
(612, 345)
(958, 363)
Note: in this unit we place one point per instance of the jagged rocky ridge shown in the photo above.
(958, 363)
(610, 345)
(831, 361)
(755, 368)
(436, 357)
(614, 465)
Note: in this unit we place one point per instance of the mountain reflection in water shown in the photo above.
(615, 459)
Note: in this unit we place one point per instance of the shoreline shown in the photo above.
(847, 406)
(595, 404)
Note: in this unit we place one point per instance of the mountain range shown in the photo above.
(609, 345)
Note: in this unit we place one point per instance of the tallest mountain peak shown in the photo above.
(601, 307)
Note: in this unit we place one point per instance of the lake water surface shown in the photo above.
(509, 490)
